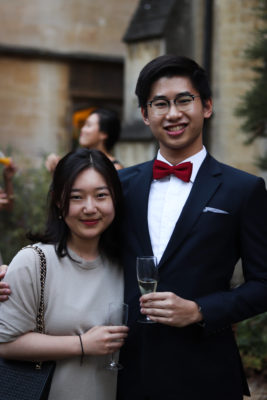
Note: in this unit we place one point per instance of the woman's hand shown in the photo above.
(101, 340)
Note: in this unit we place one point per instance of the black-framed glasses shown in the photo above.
(162, 106)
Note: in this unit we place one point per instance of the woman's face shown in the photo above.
(91, 136)
(91, 208)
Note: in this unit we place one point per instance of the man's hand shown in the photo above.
(4, 287)
(170, 309)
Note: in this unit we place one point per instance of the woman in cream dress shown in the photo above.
(83, 277)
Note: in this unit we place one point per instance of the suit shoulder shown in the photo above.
(129, 173)
(237, 174)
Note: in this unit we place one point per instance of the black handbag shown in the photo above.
(26, 380)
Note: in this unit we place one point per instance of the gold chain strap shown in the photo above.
(40, 315)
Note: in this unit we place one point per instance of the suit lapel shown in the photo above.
(206, 183)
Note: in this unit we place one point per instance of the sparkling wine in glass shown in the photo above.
(117, 315)
(147, 277)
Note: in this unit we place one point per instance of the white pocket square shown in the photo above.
(215, 210)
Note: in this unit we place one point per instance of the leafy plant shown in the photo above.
(252, 341)
(252, 333)
(29, 213)
(253, 105)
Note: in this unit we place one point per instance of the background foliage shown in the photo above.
(254, 103)
(252, 334)
(252, 342)
(29, 213)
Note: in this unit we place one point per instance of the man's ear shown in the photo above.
(208, 108)
(144, 115)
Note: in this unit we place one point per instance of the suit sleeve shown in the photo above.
(221, 309)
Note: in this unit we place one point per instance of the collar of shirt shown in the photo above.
(197, 159)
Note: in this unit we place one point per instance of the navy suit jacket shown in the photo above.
(223, 220)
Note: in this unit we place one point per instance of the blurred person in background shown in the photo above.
(7, 192)
(100, 131)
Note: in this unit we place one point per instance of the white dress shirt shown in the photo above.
(167, 198)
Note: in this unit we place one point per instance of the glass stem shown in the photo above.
(112, 361)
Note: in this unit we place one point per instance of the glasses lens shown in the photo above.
(183, 102)
(160, 106)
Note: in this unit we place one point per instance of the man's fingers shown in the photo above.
(4, 292)
(3, 268)
(157, 312)
(158, 296)
(154, 296)
(2, 284)
(4, 287)
(154, 305)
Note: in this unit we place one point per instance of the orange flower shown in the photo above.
(5, 160)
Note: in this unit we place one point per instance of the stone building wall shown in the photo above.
(33, 107)
(94, 27)
(35, 95)
(42, 44)
(136, 151)
(184, 34)
(234, 26)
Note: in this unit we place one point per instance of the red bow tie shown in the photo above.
(182, 171)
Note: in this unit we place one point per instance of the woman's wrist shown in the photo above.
(82, 349)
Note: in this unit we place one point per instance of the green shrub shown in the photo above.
(253, 104)
(252, 341)
(29, 213)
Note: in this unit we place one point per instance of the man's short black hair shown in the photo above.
(169, 66)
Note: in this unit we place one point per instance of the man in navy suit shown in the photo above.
(198, 217)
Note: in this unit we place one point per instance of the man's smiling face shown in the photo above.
(179, 132)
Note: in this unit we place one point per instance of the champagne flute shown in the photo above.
(147, 277)
(117, 315)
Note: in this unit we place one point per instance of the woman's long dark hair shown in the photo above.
(67, 170)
